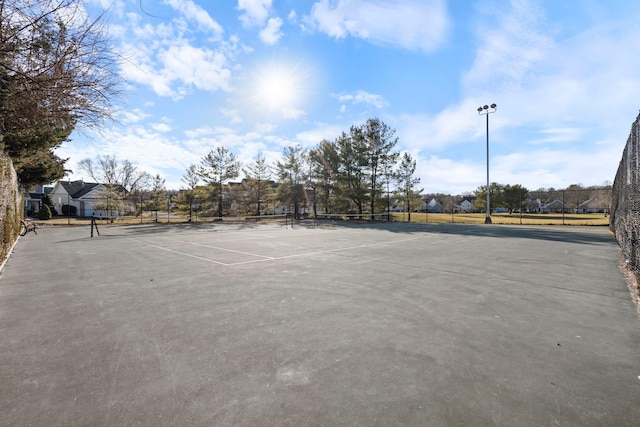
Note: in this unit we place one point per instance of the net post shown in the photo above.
(94, 224)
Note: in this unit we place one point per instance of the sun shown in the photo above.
(277, 88)
(281, 89)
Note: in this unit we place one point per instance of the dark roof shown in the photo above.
(78, 189)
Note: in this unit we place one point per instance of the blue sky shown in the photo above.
(259, 75)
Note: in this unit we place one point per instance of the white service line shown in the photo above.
(218, 248)
(326, 251)
(266, 258)
(178, 252)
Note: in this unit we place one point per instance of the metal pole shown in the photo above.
(562, 207)
(68, 202)
(520, 191)
(487, 220)
(486, 110)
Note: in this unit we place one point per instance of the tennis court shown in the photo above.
(340, 324)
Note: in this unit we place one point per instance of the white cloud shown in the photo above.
(547, 167)
(109, 4)
(461, 175)
(362, 97)
(201, 67)
(509, 46)
(455, 124)
(130, 116)
(321, 131)
(255, 13)
(569, 134)
(149, 150)
(177, 67)
(265, 127)
(195, 13)
(232, 114)
(161, 127)
(198, 132)
(173, 57)
(410, 24)
(292, 113)
(271, 33)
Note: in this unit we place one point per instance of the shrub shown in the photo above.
(44, 213)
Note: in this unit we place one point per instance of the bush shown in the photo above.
(44, 213)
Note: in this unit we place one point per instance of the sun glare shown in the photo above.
(276, 89)
(281, 89)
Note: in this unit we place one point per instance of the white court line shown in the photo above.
(265, 258)
(179, 253)
(216, 247)
(367, 245)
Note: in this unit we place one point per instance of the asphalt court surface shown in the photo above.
(343, 324)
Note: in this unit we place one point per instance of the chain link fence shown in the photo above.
(625, 203)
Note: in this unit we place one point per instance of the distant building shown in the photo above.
(33, 199)
(553, 207)
(592, 206)
(467, 205)
(81, 199)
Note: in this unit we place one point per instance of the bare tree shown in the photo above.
(121, 180)
(109, 170)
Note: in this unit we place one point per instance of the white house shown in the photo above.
(466, 206)
(553, 207)
(33, 199)
(78, 198)
(592, 206)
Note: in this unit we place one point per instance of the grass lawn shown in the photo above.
(504, 218)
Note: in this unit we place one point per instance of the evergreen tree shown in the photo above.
(291, 171)
(218, 167)
(406, 182)
(258, 175)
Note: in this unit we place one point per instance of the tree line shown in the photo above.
(357, 172)
(354, 173)
(517, 197)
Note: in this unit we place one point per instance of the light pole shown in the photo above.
(168, 207)
(68, 202)
(485, 111)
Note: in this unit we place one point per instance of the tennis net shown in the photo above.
(354, 217)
